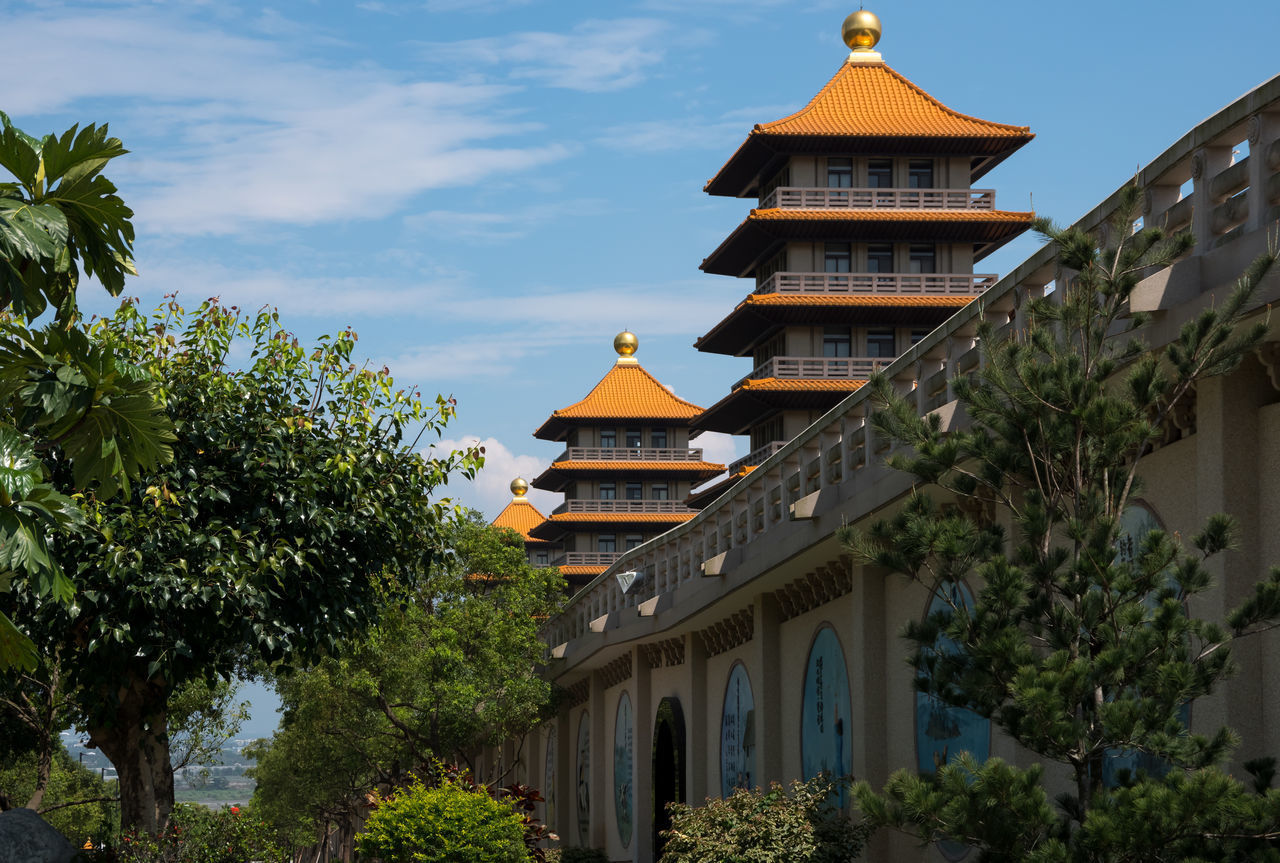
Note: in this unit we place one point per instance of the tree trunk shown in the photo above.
(136, 739)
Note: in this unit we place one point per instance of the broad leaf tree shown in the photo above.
(295, 506)
(1076, 652)
(60, 218)
(455, 669)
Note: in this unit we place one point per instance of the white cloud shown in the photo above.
(720, 448)
(255, 135)
(595, 56)
(488, 228)
(491, 489)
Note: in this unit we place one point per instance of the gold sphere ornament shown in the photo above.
(625, 343)
(861, 30)
(519, 487)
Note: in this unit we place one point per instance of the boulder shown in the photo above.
(26, 838)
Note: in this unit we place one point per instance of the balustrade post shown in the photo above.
(1206, 163)
(1264, 131)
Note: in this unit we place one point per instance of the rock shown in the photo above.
(26, 838)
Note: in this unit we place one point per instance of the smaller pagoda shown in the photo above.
(626, 469)
(522, 516)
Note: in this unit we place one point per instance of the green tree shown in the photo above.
(1073, 651)
(456, 668)
(73, 799)
(295, 501)
(59, 392)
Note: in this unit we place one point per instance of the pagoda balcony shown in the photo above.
(624, 453)
(586, 558)
(622, 506)
(817, 368)
(822, 198)
(896, 284)
(756, 456)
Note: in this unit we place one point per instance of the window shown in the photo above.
(608, 491)
(658, 491)
(880, 343)
(920, 173)
(835, 342)
(540, 558)
(606, 542)
(633, 539)
(924, 258)
(836, 258)
(635, 491)
(880, 258)
(880, 173)
(634, 438)
(917, 335)
(839, 173)
(658, 438)
(608, 438)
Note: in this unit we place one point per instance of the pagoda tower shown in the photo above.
(626, 469)
(864, 239)
(522, 516)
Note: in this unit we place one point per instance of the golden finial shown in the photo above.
(519, 488)
(625, 343)
(861, 32)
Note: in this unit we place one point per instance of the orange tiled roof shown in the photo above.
(700, 466)
(801, 384)
(521, 516)
(582, 570)
(890, 215)
(872, 100)
(868, 108)
(765, 230)
(637, 517)
(698, 498)
(875, 300)
(626, 392)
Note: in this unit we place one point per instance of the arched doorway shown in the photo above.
(668, 766)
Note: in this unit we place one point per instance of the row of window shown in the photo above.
(879, 173)
(633, 491)
(921, 258)
(881, 342)
(633, 438)
(609, 541)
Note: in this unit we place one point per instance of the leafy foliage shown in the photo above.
(76, 802)
(1076, 652)
(199, 835)
(455, 668)
(295, 506)
(203, 716)
(58, 391)
(448, 823)
(577, 855)
(792, 825)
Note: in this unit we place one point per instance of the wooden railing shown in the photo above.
(622, 506)
(910, 284)
(634, 453)
(856, 368)
(799, 198)
(757, 456)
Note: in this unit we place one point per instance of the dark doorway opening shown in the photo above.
(668, 766)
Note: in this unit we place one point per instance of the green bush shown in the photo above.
(576, 855)
(449, 823)
(197, 834)
(798, 825)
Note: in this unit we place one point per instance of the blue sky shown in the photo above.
(489, 190)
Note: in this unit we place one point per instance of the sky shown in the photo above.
(489, 190)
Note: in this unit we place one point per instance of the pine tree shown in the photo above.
(1077, 653)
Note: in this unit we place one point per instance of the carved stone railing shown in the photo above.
(586, 558)
(1196, 184)
(623, 453)
(756, 456)
(854, 368)
(905, 284)
(622, 506)
(800, 198)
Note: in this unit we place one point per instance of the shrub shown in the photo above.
(576, 855)
(798, 825)
(199, 835)
(449, 823)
